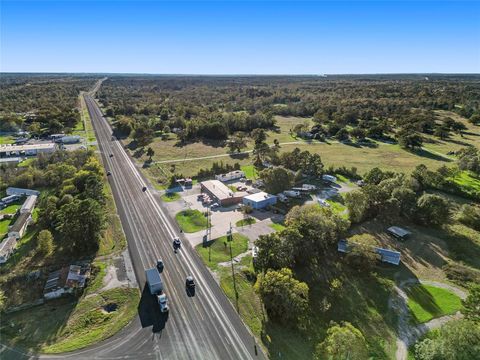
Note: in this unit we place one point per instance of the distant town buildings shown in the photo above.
(26, 149)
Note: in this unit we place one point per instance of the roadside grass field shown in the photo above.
(428, 302)
(218, 250)
(245, 222)
(66, 325)
(191, 221)
(170, 196)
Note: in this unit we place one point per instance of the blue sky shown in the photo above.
(240, 37)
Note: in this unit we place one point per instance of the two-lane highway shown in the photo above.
(204, 326)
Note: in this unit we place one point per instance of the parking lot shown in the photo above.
(222, 217)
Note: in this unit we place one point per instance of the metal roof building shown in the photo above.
(219, 192)
(398, 232)
(20, 226)
(386, 255)
(20, 191)
(30, 149)
(28, 204)
(260, 200)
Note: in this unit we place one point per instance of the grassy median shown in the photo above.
(191, 221)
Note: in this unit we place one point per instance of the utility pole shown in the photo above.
(208, 234)
(230, 239)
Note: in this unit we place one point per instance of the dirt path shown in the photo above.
(407, 333)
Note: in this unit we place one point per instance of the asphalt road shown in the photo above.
(203, 326)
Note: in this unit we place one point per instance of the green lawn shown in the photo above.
(250, 172)
(66, 325)
(170, 196)
(338, 208)
(4, 227)
(218, 250)
(191, 220)
(247, 221)
(428, 302)
(468, 182)
(10, 209)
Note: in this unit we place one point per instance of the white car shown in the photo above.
(163, 302)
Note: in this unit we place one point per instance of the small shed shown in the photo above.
(398, 232)
(260, 200)
(388, 256)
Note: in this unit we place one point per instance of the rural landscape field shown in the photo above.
(240, 180)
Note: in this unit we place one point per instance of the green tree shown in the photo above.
(409, 139)
(470, 216)
(285, 298)
(362, 255)
(45, 242)
(471, 305)
(356, 202)
(237, 143)
(456, 340)
(150, 153)
(312, 231)
(35, 128)
(273, 252)
(276, 179)
(343, 342)
(143, 133)
(432, 209)
(3, 301)
(80, 224)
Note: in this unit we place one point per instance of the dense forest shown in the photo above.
(41, 103)
(344, 107)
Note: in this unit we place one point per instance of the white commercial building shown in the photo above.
(30, 149)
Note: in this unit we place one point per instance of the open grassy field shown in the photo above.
(191, 220)
(67, 325)
(429, 302)
(385, 156)
(218, 250)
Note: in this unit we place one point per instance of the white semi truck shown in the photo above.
(155, 286)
